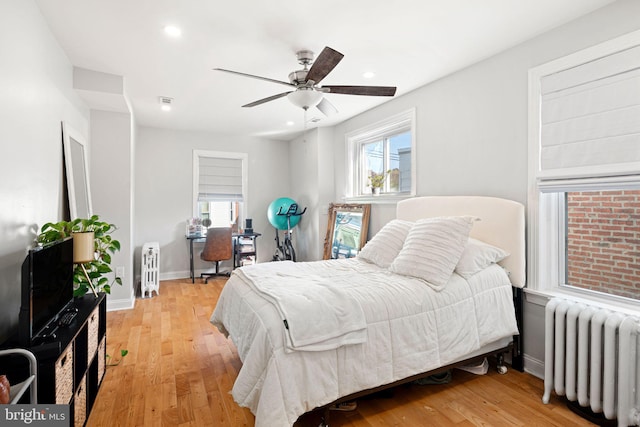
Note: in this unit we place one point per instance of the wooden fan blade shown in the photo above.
(326, 61)
(255, 77)
(326, 107)
(361, 90)
(271, 98)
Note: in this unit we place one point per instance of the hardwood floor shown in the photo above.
(180, 371)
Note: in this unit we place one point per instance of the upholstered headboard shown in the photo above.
(501, 224)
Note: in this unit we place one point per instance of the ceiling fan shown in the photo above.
(304, 83)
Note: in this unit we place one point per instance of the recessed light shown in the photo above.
(368, 74)
(290, 123)
(172, 31)
(165, 103)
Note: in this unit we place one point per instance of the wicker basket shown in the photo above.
(80, 404)
(92, 332)
(102, 359)
(64, 376)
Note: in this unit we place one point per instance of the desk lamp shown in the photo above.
(84, 252)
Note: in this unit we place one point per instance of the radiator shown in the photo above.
(150, 280)
(591, 357)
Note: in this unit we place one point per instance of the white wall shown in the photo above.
(325, 188)
(112, 193)
(36, 91)
(472, 127)
(303, 176)
(311, 179)
(163, 188)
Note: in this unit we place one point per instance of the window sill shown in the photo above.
(623, 305)
(381, 199)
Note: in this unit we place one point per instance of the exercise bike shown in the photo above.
(284, 250)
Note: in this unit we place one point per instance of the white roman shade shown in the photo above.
(219, 179)
(590, 118)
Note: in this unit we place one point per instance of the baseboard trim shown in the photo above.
(173, 275)
(121, 304)
(534, 366)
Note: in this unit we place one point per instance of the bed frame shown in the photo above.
(502, 224)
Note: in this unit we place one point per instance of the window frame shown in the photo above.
(244, 157)
(546, 205)
(381, 130)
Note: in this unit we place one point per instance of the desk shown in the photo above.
(203, 237)
(193, 238)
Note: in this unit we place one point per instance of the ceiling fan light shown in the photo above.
(305, 98)
(172, 31)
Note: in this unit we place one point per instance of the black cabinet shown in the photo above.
(72, 364)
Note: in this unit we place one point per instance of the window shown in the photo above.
(603, 241)
(589, 239)
(383, 152)
(584, 173)
(219, 183)
(221, 214)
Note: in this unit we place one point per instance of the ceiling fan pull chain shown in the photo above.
(304, 128)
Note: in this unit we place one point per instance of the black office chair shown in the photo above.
(218, 247)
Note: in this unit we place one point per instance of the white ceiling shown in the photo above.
(406, 43)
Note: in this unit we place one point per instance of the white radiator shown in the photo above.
(150, 280)
(591, 357)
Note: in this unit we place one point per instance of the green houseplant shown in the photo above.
(91, 274)
(376, 181)
(113, 362)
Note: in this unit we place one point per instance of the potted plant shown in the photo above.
(376, 181)
(90, 273)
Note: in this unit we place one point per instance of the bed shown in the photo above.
(315, 333)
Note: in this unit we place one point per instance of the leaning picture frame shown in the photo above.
(77, 171)
(347, 229)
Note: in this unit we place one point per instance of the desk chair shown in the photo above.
(218, 247)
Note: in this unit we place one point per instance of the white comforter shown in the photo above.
(410, 328)
(321, 315)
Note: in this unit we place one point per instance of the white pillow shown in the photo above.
(432, 249)
(386, 244)
(477, 256)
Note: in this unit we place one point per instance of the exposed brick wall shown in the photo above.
(603, 241)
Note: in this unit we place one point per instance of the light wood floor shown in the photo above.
(180, 371)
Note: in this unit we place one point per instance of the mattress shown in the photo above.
(409, 329)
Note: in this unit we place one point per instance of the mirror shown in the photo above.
(346, 230)
(76, 168)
